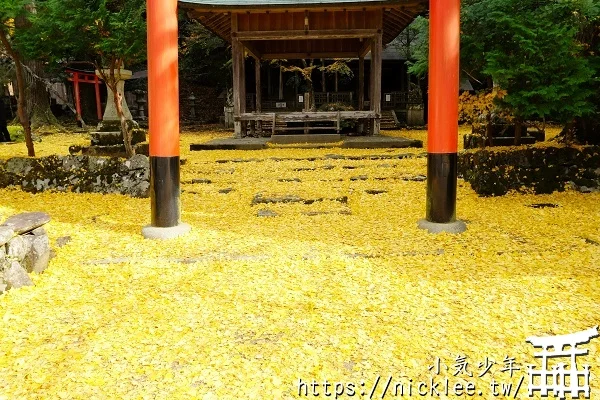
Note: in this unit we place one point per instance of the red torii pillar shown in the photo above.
(442, 147)
(163, 104)
(79, 77)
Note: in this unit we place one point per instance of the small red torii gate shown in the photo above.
(163, 93)
(78, 77)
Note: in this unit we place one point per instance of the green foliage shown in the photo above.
(544, 54)
(103, 32)
(409, 40)
(203, 55)
(536, 59)
(419, 47)
(9, 10)
(7, 74)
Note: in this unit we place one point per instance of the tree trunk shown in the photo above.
(22, 100)
(424, 85)
(309, 83)
(337, 81)
(569, 132)
(129, 150)
(22, 108)
(518, 131)
(489, 130)
(583, 130)
(38, 100)
(323, 77)
(112, 82)
(280, 83)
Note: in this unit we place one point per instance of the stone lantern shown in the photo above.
(111, 118)
(192, 100)
(108, 139)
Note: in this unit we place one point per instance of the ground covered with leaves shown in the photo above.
(334, 282)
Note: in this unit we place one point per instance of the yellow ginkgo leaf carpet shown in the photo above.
(337, 292)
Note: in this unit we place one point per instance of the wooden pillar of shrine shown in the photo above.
(258, 100)
(239, 79)
(376, 67)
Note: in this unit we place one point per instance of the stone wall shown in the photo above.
(78, 174)
(540, 169)
(24, 249)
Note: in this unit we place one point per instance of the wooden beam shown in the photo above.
(243, 86)
(237, 55)
(252, 50)
(309, 34)
(258, 99)
(298, 56)
(376, 64)
(310, 116)
(257, 8)
(361, 83)
(364, 50)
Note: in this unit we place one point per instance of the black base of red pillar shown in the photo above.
(165, 202)
(441, 195)
(164, 191)
(441, 187)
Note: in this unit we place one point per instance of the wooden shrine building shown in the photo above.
(306, 29)
(277, 29)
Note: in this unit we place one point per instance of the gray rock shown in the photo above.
(376, 191)
(226, 190)
(201, 180)
(6, 234)
(260, 199)
(138, 161)
(73, 150)
(266, 213)
(415, 178)
(359, 178)
(570, 185)
(20, 166)
(96, 164)
(63, 241)
(26, 222)
(39, 231)
(2, 255)
(39, 255)
(73, 162)
(16, 276)
(139, 190)
(17, 248)
(289, 180)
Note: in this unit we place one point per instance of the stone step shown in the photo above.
(112, 151)
(308, 138)
(116, 138)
